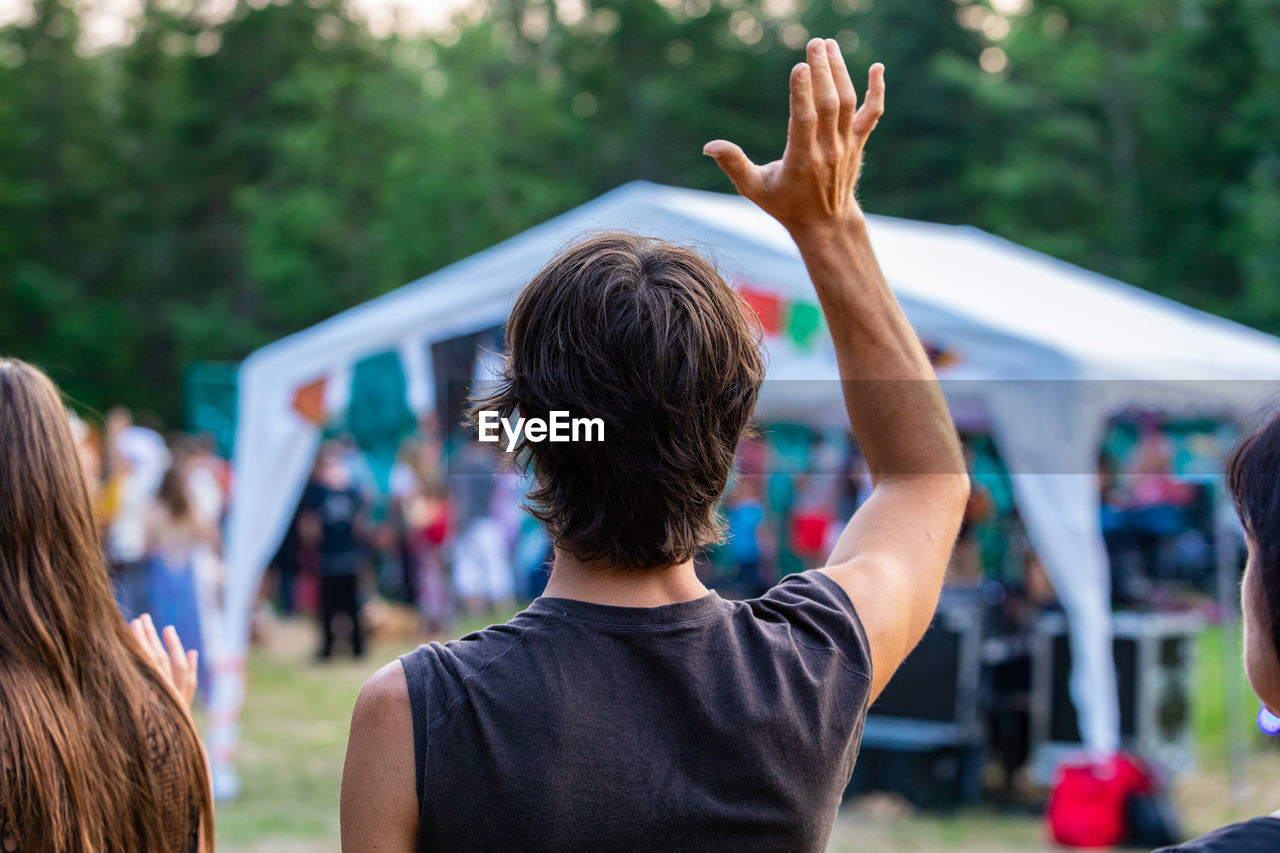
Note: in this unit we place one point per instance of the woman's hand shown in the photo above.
(177, 666)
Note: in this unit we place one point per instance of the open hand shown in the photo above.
(177, 666)
(812, 185)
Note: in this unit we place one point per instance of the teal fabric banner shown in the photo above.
(378, 416)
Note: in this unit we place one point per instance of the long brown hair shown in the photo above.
(77, 758)
(172, 493)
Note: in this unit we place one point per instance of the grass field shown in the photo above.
(297, 714)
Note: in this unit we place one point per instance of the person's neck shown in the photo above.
(572, 578)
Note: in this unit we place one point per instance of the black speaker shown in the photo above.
(934, 778)
(938, 683)
(1153, 655)
(924, 737)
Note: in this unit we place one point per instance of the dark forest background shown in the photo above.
(214, 184)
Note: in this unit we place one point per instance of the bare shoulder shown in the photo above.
(382, 723)
(379, 808)
(385, 693)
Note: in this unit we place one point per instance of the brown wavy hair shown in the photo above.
(98, 753)
(645, 335)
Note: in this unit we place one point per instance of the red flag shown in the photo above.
(767, 307)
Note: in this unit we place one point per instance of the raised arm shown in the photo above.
(891, 557)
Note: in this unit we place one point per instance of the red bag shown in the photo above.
(1087, 805)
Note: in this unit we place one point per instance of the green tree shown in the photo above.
(213, 185)
(1133, 139)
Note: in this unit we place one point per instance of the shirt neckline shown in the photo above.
(693, 610)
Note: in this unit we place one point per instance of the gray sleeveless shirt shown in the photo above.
(703, 725)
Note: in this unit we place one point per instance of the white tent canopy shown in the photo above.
(1018, 322)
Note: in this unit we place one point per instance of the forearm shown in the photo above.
(895, 405)
(892, 555)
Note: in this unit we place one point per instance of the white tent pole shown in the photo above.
(1048, 436)
(274, 450)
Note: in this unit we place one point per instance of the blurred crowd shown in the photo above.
(443, 531)
(795, 486)
(160, 503)
(1162, 508)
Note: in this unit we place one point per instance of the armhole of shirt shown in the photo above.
(416, 682)
(845, 601)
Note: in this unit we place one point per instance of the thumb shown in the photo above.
(731, 159)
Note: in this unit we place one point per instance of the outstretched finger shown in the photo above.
(826, 100)
(152, 639)
(734, 162)
(803, 124)
(844, 87)
(873, 106)
(177, 654)
(140, 634)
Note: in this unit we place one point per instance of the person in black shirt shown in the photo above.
(331, 518)
(1253, 478)
(629, 708)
